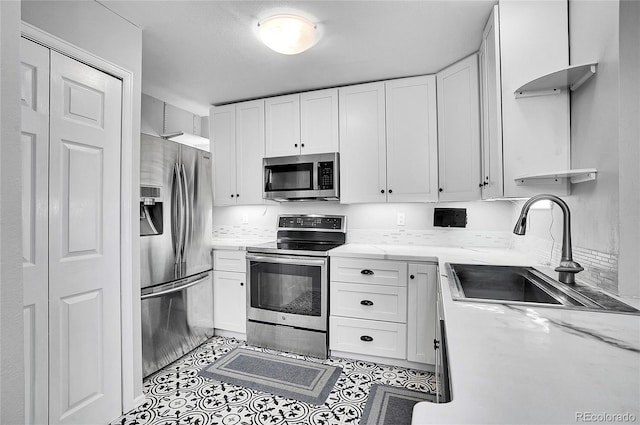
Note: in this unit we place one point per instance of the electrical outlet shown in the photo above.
(400, 219)
(245, 218)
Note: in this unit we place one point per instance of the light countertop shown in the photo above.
(516, 364)
(236, 243)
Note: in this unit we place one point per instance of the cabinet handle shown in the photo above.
(366, 338)
(390, 191)
(382, 191)
(440, 190)
(302, 145)
(237, 195)
(485, 184)
(481, 184)
(412, 277)
(366, 272)
(295, 145)
(436, 344)
(366, 302)
(232, 195)
(241, 283)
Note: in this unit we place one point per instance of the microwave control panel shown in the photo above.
(325, 175)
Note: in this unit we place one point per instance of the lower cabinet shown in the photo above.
(378, 313)
(229, 291)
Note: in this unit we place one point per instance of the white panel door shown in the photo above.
(34, 72)
(421, 317)
(230, 301)
(282, 122)
(363, 169)
(84, 244)
(459, 131)
(223, 140)
(319, 121)
(249, 152)
(412, 145)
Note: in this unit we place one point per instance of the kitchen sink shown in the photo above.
(525, 285)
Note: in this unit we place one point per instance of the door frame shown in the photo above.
(131, 355)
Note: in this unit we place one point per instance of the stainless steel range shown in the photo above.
(288, 290)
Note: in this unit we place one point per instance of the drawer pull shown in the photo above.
(366, 302)
(366, 338)
(367, 272)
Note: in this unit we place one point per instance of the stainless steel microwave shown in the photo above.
(302, 177)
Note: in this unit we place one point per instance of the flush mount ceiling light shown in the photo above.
(287, 33)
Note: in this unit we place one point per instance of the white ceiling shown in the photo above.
(199, 53)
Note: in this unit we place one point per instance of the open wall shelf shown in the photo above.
(574, 176)
(571, 77)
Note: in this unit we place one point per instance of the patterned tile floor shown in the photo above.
(177, 395)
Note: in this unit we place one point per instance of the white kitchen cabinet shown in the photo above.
(388, 149)
(421, 312)
(535, 130)
(363, 170)
(412, 150)
(319, 121)
(238, 148)
(383, 309)
(305, 123)
(282, 121)
(492, 178)
(230, 292)
(459, 131)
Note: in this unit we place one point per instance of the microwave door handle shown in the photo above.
(316, 173)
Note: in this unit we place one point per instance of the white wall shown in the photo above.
(92, 27)
(595, 123)
(605, 133)
(489, 216)
(11, 324)
(629, 199)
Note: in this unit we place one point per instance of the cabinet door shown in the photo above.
(223, 140)
(421, 309)
(319, 121)
(230, 301)
(363, 158)
(412, 151)
(492, 184)
(282, 125)
(249, 152)
(459, 131)
(34, 73)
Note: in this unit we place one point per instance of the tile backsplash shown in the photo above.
(600, 268)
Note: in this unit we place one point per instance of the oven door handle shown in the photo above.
(287, 260)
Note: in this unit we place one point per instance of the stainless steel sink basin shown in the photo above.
(525, 285)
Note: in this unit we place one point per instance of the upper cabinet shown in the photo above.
(305, 123)
(523, 40)
(459, 131)
(388, 149)
(237, 133)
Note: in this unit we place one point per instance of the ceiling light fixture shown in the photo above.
(287, 33)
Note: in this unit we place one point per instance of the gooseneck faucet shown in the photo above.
(567, 268)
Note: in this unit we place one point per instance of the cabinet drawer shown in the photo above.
(383, 272)
(363, 301)
(368, 337)
(230, 260)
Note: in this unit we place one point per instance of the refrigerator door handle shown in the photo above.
(176, 199)
(187, 211)
(175, 289)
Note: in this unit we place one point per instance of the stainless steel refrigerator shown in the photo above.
(175, 235)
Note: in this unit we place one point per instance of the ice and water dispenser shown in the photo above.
(150, 211)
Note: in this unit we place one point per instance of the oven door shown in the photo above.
(288, 290)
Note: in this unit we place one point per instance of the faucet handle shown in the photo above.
(569, 266)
